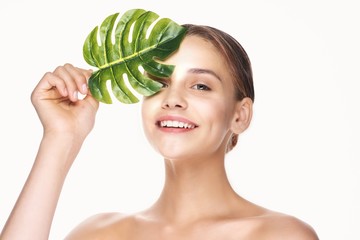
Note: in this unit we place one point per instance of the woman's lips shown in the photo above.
(175, 123)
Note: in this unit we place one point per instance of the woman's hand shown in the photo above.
(66, 121)
(55, 99)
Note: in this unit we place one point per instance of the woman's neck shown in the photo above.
(195, 189)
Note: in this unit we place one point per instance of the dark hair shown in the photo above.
(237, 59)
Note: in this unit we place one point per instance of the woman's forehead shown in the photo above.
(196, 52)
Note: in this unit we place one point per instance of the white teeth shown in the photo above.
(176, 124)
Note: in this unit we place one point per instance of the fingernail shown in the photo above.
(84, 88)
(75, 95)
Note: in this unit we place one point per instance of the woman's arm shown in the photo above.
(66, 122)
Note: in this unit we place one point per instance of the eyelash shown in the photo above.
(164, 84)
(199, 86)
(202, 86)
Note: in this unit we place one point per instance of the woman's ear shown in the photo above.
(242, 115)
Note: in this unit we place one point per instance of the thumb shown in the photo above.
(92, 101)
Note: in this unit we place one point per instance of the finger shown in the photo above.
(49, 87)
(69, 81)
(92, 101)
(80, 76)
(50, 81)
(86, 72)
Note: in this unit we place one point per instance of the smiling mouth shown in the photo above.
(176, 124)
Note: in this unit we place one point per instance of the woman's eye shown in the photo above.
(163, 84)
(201, 87)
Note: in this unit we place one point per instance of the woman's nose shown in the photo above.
(174, 98)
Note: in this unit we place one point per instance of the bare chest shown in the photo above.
(224, 231)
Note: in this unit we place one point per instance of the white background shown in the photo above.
(300, 155)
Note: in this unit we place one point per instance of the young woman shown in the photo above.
(192, 122)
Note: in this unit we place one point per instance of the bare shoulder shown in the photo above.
(101, 226)
(281, 226)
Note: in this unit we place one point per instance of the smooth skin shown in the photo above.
(66, 122)
(197, 201)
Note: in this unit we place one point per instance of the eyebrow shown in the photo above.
(204, 71)
(191, 70)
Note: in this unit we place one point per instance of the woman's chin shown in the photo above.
(176, 154)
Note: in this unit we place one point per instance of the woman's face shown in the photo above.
(191, 116)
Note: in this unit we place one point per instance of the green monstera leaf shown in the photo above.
(138, 39)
